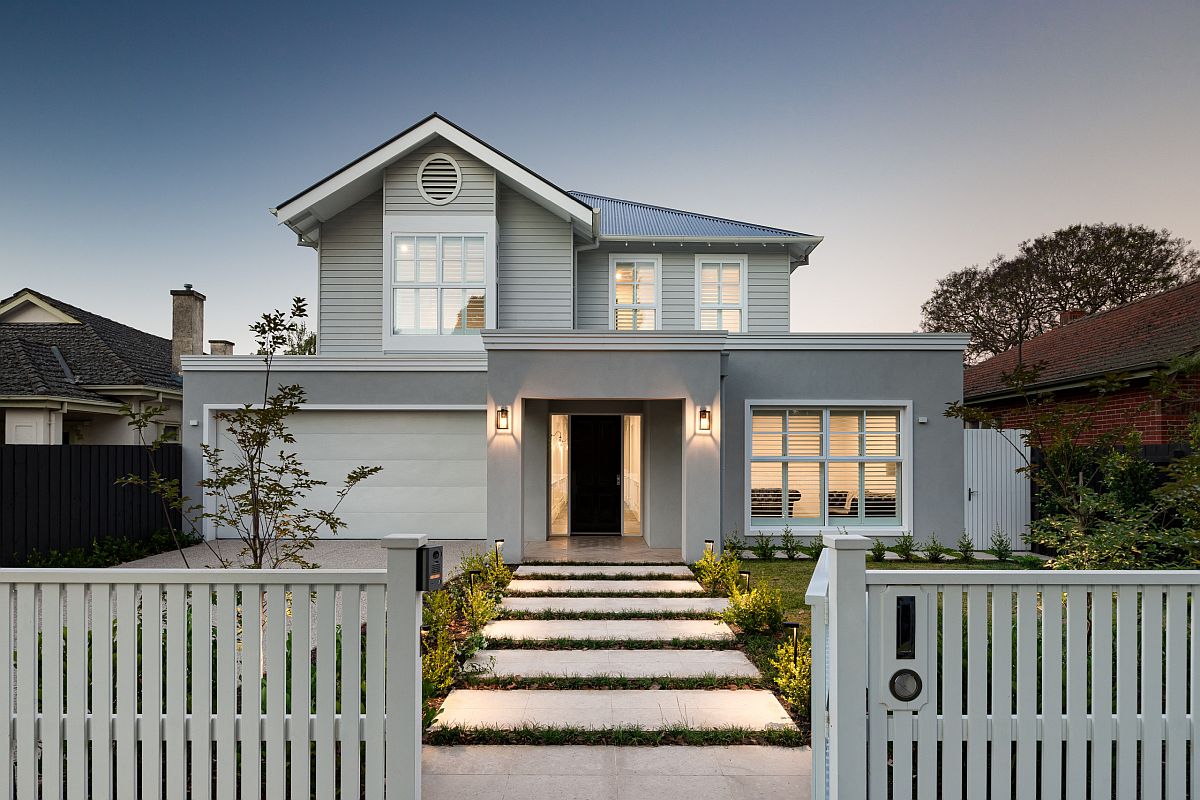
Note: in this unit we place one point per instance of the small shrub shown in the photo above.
(814, 546)
(439, 662)
(878, 552)
(718, 574)
(1028, 561)
(758, 611)
(1001, 546)
(735, 544)
(439, 612)
(476, 605)
(111, 550)
(792, 673)
(791, 545)
(966, 549)
(493, 572)
(935, 551)
(905, 547)
(763, 547)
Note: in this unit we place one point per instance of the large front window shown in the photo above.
(635, 282)
(438, 284)
(831, 467)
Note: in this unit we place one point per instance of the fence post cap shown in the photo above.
(403, 541)
(848, 541)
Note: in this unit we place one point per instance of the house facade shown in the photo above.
(1131, 342)
(66, 373)
(526, 362)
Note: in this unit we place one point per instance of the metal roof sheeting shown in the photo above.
(626, 218)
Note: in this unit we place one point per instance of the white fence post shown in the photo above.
(402, 732)
(848, 666)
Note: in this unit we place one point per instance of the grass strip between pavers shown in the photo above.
(602, 576)
(613, 682)
(592, 593)
(567, 643)
(603, 615)
(625, 736)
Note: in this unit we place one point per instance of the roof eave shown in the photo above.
(296, 211)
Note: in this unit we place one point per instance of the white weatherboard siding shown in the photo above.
(533, 265)
(768, 290)
(477, 195)
(997, 495)
(350, 297)
(434, 478)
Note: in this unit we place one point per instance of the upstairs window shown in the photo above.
(439, 284)
(721, 293)
(634, 287)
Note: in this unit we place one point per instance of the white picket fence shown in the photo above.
(211, 683)
(997, 497)
(1034, 684)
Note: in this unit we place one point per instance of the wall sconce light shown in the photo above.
(704, 419)
(502, 417)
(708, 546)
(795, 629)
(499, 551)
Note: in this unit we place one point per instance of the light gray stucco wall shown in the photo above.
(323, 388)
(927, 379)
(692, 378)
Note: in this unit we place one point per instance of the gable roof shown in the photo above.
(95, 352)
(1141, 335)
(304, 212)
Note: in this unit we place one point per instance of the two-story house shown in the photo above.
(528, 362)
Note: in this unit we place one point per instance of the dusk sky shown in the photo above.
(140, 147)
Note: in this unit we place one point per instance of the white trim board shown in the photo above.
(907, 430)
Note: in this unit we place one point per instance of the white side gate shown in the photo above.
(997, 496)
(1003, 684)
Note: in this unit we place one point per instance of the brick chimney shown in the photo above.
(1070, 315)
(220, 347)
(187, 324)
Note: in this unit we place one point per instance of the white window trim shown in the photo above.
(423, 225)
(743, 304)
(613, 258)
(905, 460)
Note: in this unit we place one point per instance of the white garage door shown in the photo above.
(434, 478)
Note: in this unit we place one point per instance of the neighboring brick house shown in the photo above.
(1133, 340)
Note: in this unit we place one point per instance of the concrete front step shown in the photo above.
(615, 663)
(608, 605)
(651, 709)
(606, 587)
(639, 629)
(529, 772)
(675, 570)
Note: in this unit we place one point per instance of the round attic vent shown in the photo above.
(439, 179)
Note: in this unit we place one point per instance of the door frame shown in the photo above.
(570, 485)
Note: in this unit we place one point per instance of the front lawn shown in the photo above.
(791, 578)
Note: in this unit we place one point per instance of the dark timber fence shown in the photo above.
(56, 497)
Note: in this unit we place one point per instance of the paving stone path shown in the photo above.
(613, 772)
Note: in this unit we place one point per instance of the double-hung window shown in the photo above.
(634, 286)
(438, 284)
(835, 467)
(721, 293)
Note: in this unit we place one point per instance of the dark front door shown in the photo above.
(595, 474)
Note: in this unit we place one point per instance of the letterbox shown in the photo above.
(429, 568)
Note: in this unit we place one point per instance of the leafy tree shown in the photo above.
(257, 486)
(1086, 267)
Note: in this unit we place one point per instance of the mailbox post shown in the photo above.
(402, 701)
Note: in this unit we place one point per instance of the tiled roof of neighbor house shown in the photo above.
(627, 218)
(97, 351)
(1139, 335)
